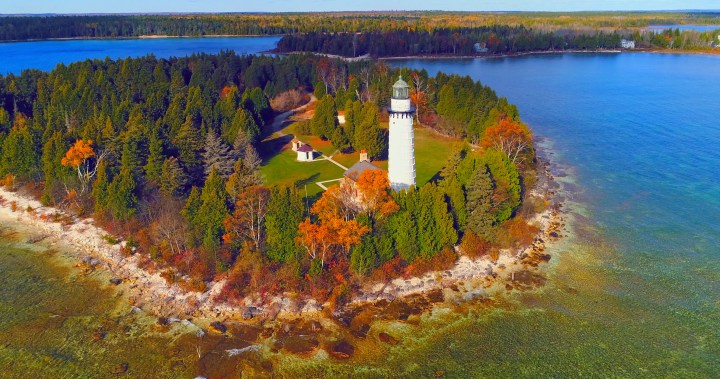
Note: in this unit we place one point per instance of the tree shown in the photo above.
(121, 199)
(190, 212)
(479, 203)
(506, 180)
(511, 137)
(456, 196)
(53, 171)
(420, 94)
(213, 211)
(172, 177)
(243, 122)
(100, 188)
(246, 173)
(217, 155)
(374, 189)
(154, 166)
(78, 157)
(324, 120)
(19, 153)
(285, 212)
(189, 145)
(247, 222)
(368, 135)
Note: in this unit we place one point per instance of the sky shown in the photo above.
(155, 6)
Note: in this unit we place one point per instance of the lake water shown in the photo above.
(635, 293)
(45, 55)
(682, 28)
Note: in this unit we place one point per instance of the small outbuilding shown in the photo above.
(296, 143)
(305, 153)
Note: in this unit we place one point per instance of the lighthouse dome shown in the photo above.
(401, 89)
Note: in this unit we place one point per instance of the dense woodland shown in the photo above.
(112, 26)
(165, 153)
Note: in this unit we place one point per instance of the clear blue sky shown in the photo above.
(131, 6)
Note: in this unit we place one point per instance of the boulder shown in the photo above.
(116, 281)
(218, 327)
(342, 350)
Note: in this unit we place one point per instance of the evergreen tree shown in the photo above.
(506, 180)
(406, 235)
(285, 213)
(324, 121)
(242, 122)
(444, 225)
(121, 200)
(189, 145)
(54, 172)
(246, 173)
(154, 166)
(456, 196)
(100, 187)
(19, 154)
(368, 135)
(217, 156)
(212, 211)
(190, 213)
(172, 178)
(362, 257)
(479, 203)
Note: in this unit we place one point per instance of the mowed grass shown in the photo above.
(280, 166)
(284, 169)
(431, 153)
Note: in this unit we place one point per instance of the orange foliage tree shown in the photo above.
(509, 136)
(78, 157)
(335, 230)
(374, 189)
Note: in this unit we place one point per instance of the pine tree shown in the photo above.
(53, 171)
(479, 203)
(212, 211)
(190, 213)
(444, 225)
(217, 156)
(506, 180)
(20, 155)
(368, 135)
(100, 187)
(154, 166)
(324, 121)
(362, 257)
(121, 198)
(456, 195)
(172, 177)
(406, 235)
(242, 122)
(246, 173)
(189, 145)
(285, 212)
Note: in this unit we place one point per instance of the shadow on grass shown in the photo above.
(268, 149)
(307, 181)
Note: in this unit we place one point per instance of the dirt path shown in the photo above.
(276, 126)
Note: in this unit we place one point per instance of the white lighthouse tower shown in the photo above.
(401, 156)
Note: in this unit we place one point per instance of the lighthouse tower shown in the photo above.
(401, 157)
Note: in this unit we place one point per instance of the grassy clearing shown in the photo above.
(284, 169)
(431, 153)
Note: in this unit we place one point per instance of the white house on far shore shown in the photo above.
(627, 44)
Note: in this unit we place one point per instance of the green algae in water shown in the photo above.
(51, 320)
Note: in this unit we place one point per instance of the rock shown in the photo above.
(116, 281)
(554, 234)
(388, 339)
(98, 335)
(121, 368)
(342, 350)
(361, 331)
(218, 327)
(163, 321)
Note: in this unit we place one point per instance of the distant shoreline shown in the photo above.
(144, 36)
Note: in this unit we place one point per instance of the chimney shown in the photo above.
(364, 156)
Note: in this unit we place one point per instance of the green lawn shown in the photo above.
(431, 153)
(284, 169)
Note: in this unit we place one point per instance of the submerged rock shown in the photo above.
(342, 350)
(388, 339)
(116, 281)
(121, 368)
(218, 327)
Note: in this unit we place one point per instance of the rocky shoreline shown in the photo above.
(145, 289)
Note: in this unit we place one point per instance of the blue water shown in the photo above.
(45, 55)
(682, 28)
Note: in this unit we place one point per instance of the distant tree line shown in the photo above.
(15, 28)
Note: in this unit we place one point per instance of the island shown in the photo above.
(271, 190)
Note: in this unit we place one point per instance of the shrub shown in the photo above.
(474, 246)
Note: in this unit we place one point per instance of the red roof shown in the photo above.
(305, 148)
